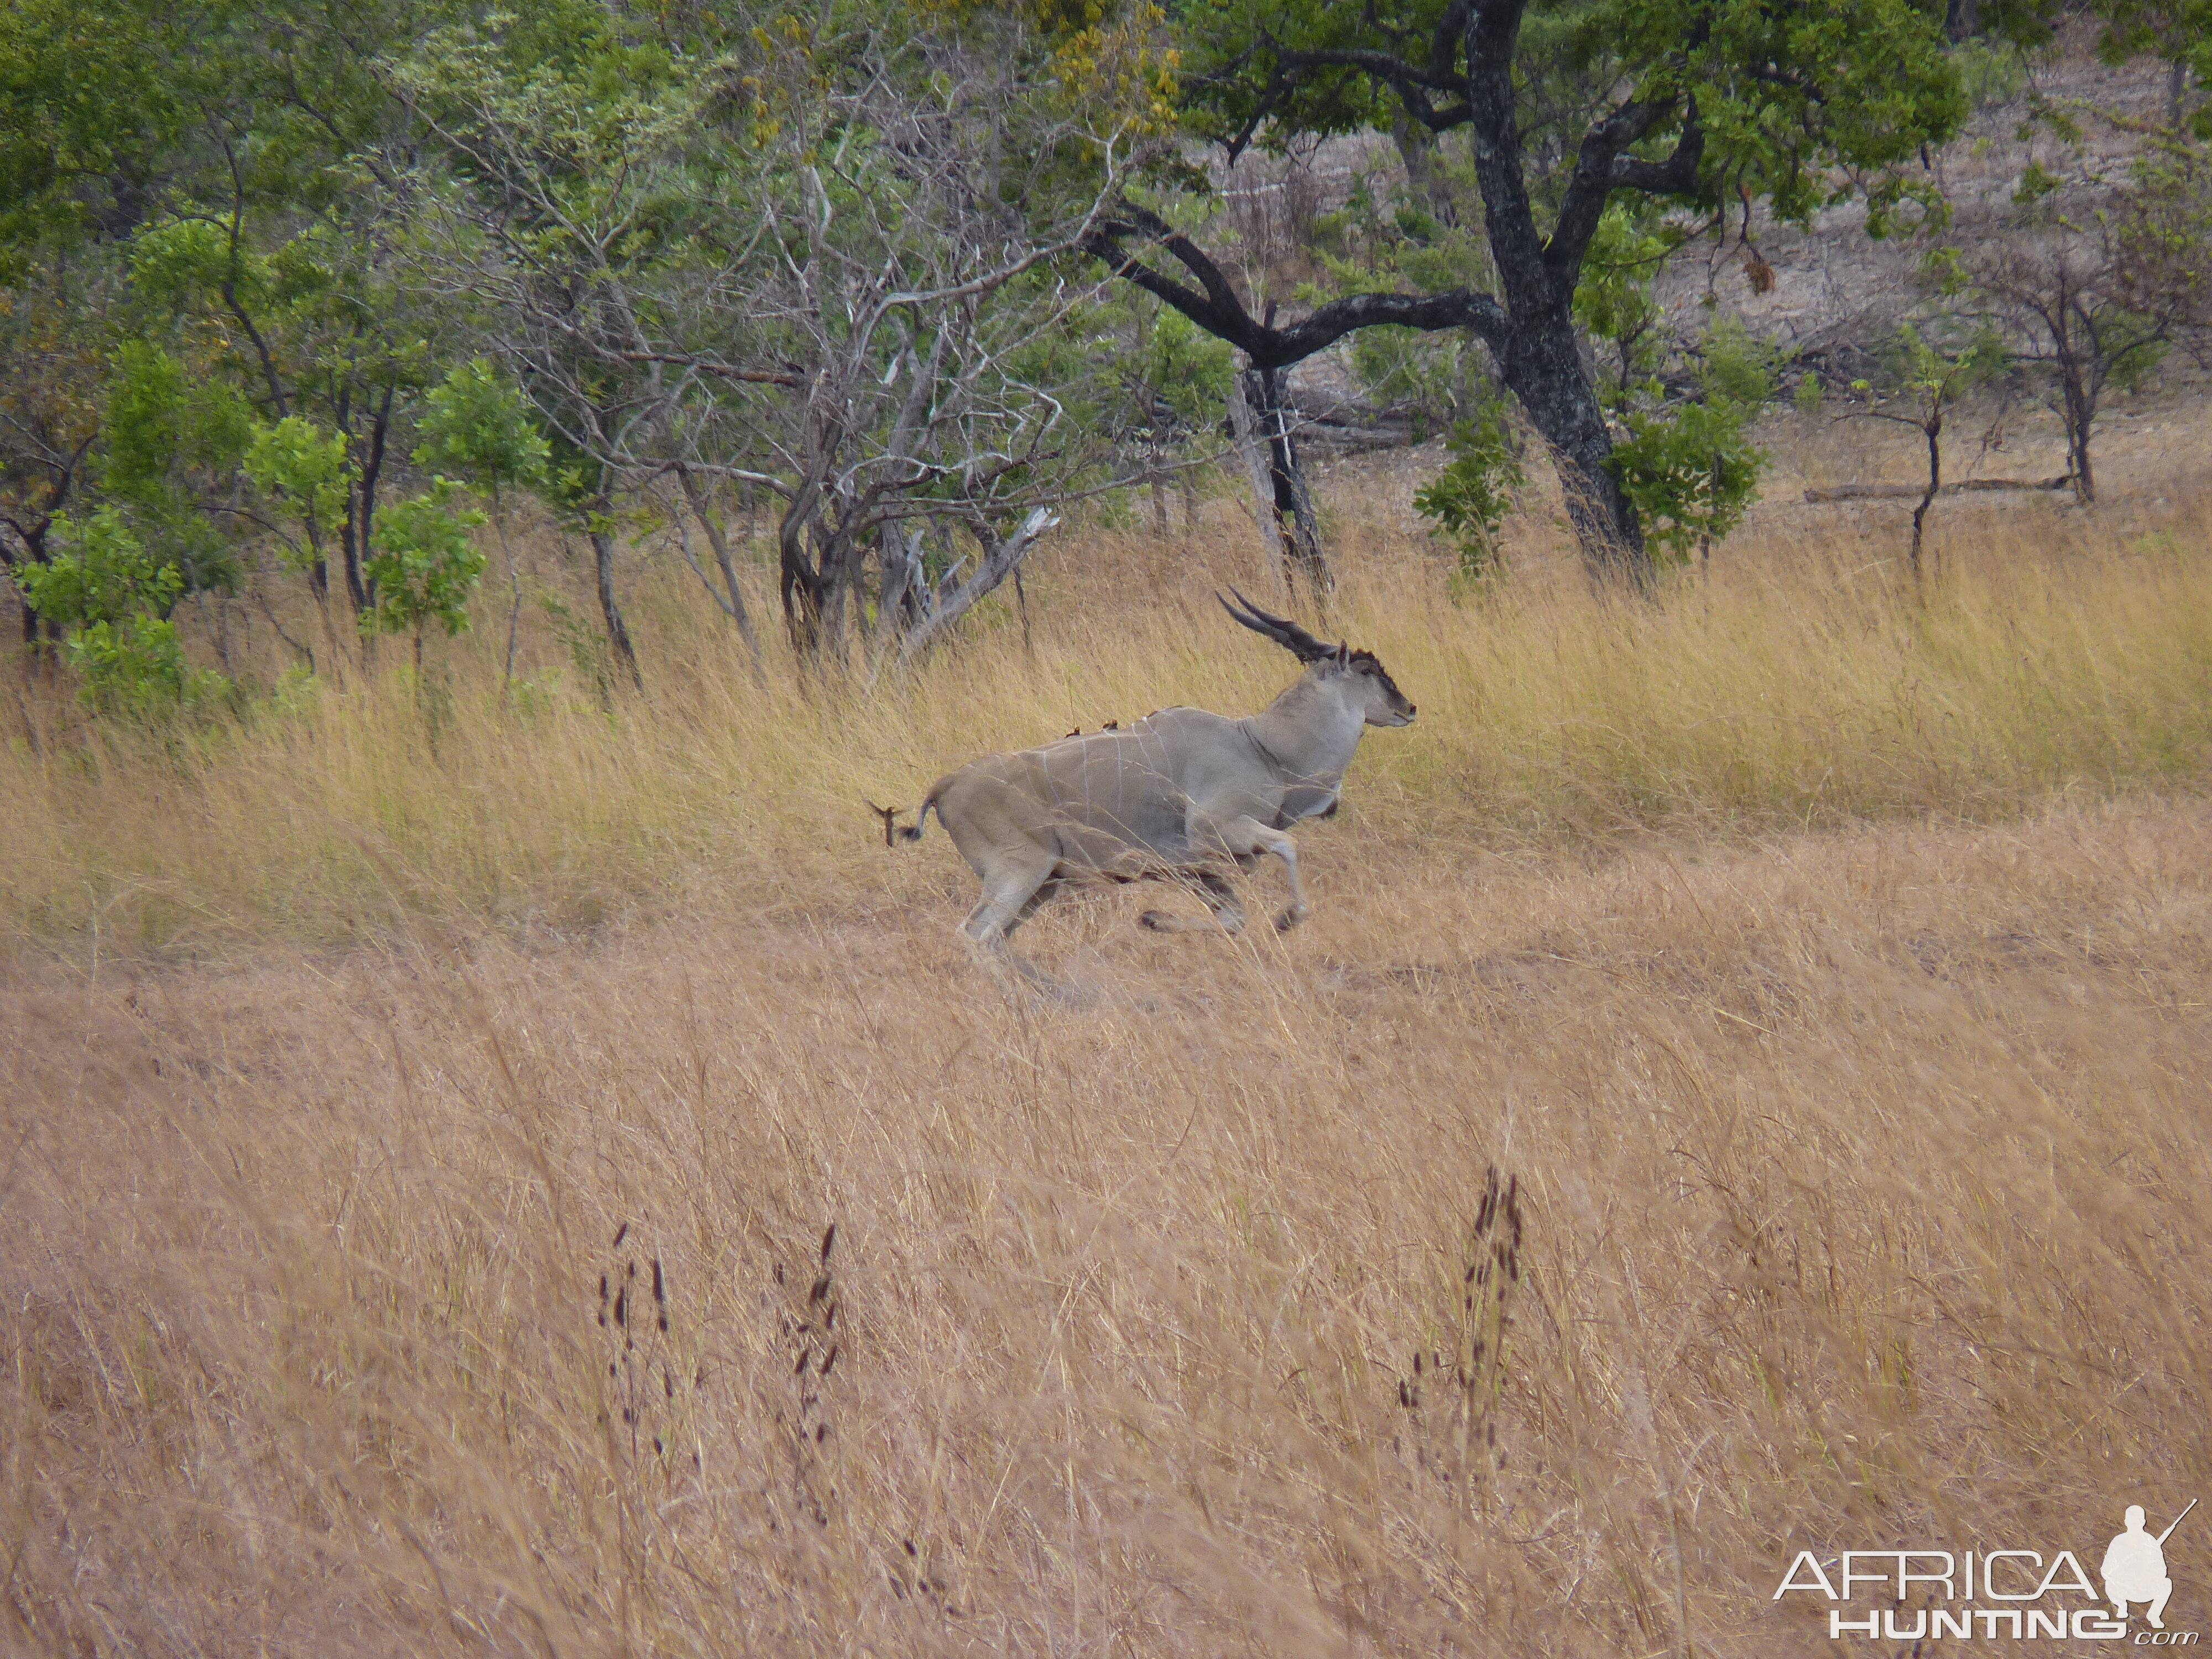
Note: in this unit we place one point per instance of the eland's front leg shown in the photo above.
(1248, 837)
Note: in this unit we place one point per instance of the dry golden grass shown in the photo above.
(1820, 971)
(1860, 1180)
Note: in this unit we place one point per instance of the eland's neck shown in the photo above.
(1312, 731)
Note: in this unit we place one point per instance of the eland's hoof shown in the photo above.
(1289, 920)
(1155, 919)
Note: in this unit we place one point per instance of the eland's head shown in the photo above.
(1360, 673)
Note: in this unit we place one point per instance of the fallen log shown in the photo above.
(1869, 492)
(1355, 439)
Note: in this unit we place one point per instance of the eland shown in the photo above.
(1181, 795)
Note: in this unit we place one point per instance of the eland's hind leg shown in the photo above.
(1012, 892)
(1013, 887)
(1228, 915)
(1035, 903)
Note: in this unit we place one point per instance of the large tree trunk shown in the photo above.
(1542, 366)
(816, 585)
(1539, 354)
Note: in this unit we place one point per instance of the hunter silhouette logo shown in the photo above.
(2135, 1566)
(1989, 1594)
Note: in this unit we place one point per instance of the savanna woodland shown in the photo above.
(505, 512)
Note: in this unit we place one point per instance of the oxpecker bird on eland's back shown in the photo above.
(1181, 795)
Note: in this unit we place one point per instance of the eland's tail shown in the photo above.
(896, 832)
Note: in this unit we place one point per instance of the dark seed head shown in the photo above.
(828, 1239)
(620, 1233)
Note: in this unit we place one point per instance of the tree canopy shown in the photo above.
(1702, 107)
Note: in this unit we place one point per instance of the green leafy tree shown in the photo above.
(1437, 377)
(1691, 472)
(1685, 103)
(310, 471)
(172, 446)
(424, 565)
(53, 373)
(1615, 303)
(479, 427)
(819, 265)
(111, 599)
